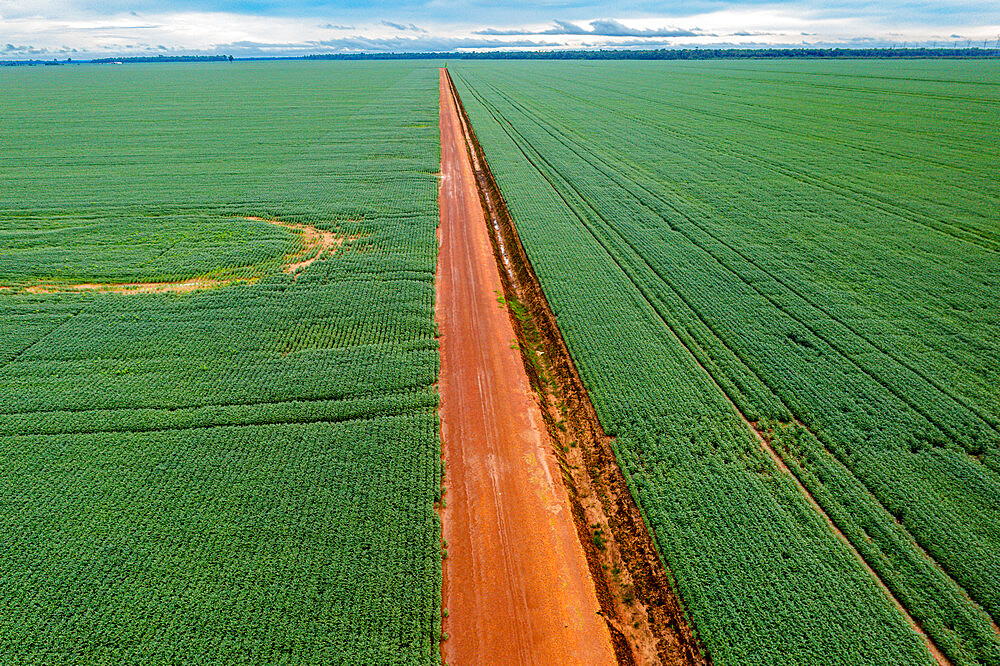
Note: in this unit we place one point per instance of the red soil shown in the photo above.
(517, 588)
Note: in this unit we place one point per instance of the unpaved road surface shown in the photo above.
(516, 583)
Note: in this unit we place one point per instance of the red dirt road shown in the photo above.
(516, 584)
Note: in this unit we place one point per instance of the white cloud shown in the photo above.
(597, 27)
(408, 27)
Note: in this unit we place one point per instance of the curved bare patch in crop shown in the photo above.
(316, 244)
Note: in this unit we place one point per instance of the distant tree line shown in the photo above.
(123, 60)
(164, 58)
(675, 54)
(15, 63)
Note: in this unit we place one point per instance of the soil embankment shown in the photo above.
(517, 588)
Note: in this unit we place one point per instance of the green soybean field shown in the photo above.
(778, 280)
(218, 419)
(799, 256)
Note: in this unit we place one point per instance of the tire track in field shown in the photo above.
(861, 143)
(737, 147)
(864, 144)
(836, 188)
(836, 462)
(364, 415)
(880, 77)
(414, 388)
(80, 421)
(881, 91)
(955, 230)
(41, 338)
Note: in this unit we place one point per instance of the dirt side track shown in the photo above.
(516, 587)
(316, 244)
(646, 619)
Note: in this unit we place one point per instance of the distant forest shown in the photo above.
(605, 54)
(679, 54)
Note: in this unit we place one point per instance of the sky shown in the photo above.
(61, 29)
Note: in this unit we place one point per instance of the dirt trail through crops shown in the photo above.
(316, 244)
(517, 588)
(765, 445)
(939, 656)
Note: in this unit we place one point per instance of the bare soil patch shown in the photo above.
(184, 286)
(316, 244)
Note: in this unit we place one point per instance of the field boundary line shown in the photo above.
(243, 424)
(209, 405)
(912, 540)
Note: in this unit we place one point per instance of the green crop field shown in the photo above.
(242, 470)
(219, 437)
(808, 249)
